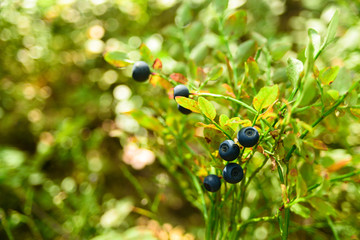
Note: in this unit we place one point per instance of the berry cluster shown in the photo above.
(141, 73)
(228, 150)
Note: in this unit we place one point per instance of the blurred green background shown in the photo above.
(71, 162)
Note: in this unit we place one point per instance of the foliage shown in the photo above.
(85, 152)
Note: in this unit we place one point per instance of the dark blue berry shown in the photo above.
(233, 173)
(183, 110)
(141, 71)
(248, 136)
(228, 150)
(181, 90)
(212, 183)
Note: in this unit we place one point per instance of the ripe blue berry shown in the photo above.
(140, 71)
(233, 173)
(248, 136)
(228, 150)
(181, 90)
(183, 110)
(212, 183)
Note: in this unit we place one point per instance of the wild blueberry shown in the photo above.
(228, 150)
(233, 173)
(212, 183)
(181, 90)
(183, 110)
(248, 136)
(140, 71)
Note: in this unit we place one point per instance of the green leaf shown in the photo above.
(293, 70)
(215, 73)
(265, 97)
(183, 15)
(331, 31)
(244, 51)
(329, 74)
(235, 24)
(194, 31)
(220, 5)
(300, 210)
(279, 48)
(117, 59)
(309, 51)
(310, 91)
(315, 40)
(235, 122)
(146, 53)
(223, 119)
(323, 207)
(146, 121)
(207, 108)
(252, 68)
(188, 103)
(342, 82)
(199, 52)
(333, 94)
(301, 187)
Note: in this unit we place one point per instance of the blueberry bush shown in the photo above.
(191, 119)
(263, 103)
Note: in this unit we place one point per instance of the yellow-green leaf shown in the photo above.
(265, 97)
(146, 53)
(355, 112)
(322, 206)
(117, 59)
(147, 122)
(235, 122)
(235, 24)
(188, 103)
(300, 210)
(215, 73)
(207, 108)
(223, 119)
(329, 74)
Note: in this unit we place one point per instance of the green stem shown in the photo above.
(336, 179)
(251, 109)
(323, 115)
(5, 225)
(255, 172)
(286, 224)
(135, 183)
(331, 225)
(256, 220)
(220, 128)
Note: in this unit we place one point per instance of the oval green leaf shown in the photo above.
(117, 59)
(188, 103)
(207, 108)
(329, 74)
(265, 97)
(293, 70)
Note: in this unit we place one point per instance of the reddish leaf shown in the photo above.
(178, 77)
(337, 166)
(157, 65)
(156, 79)
(200, 74)
(355, 112)
(229, 90)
